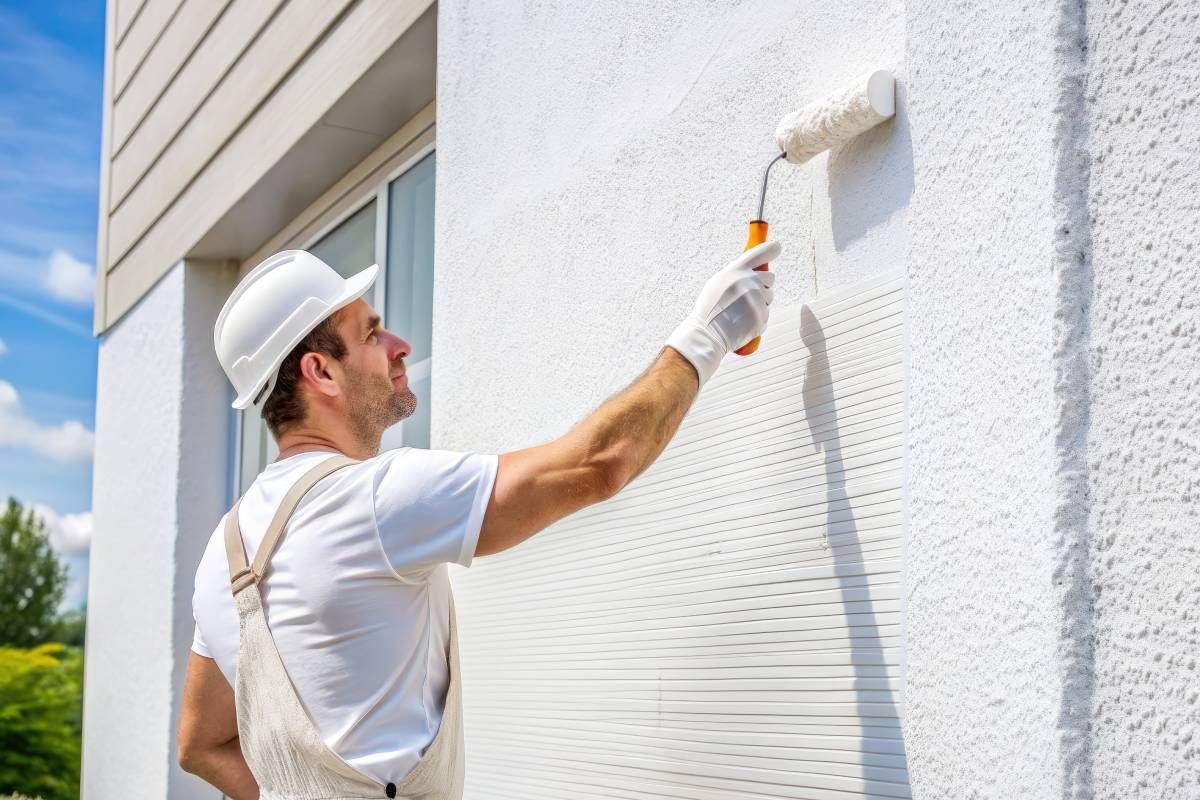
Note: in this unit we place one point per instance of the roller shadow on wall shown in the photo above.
(877, 705)
(871, 176)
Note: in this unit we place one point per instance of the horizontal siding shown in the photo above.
(144, 182)
(233, 139)
(730, 624)
(125, 12)
(143, 33)
(172, 50)
(147, 137)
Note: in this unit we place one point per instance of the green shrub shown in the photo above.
(40, 720)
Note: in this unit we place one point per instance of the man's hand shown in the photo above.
(209, 746)
(731, 311)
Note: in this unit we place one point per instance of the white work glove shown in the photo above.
(731, 311)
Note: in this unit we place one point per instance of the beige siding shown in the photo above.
(179, 40)
(203, 98)
(125, 12)
(143, 33)
(138, 197)
(139, 144)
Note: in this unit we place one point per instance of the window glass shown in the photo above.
(409, 302)
(416, 427)
(410, 258)
(255, 439)
(350, 247)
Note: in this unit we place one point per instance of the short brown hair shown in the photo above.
(285, 404)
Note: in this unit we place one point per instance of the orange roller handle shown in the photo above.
(758, 235)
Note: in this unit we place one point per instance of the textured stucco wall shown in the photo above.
(1052, 631)
(161, 477)
(1144, 440)
(997, 684)
(597, 162)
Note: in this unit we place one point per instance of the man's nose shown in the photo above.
(399, 347)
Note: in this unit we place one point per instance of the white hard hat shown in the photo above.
(275, 306)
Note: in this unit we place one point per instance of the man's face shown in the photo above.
(377, 395)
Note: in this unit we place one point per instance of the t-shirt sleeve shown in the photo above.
(429, 506)
(198, 644)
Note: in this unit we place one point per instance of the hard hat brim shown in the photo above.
(356, 286)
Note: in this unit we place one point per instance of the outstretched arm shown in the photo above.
(632, 429)
(538, 486)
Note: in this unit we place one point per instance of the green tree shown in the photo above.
(41, 720)
(32, 579)
(69, 628)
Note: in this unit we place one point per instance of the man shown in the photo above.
(356, 598)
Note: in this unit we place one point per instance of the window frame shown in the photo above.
(249, 419)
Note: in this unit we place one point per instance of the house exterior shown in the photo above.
(936, 539)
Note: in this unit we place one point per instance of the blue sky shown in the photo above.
(51, 77)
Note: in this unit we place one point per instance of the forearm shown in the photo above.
(225, 768)
(633, 427)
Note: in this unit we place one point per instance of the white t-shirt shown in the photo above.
(357, 594)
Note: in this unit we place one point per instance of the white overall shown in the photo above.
(281, 745)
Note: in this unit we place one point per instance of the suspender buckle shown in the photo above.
(244, 577)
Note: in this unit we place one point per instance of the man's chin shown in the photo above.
(404, 405)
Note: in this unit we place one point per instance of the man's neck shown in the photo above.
(295, 450)
(294, 443)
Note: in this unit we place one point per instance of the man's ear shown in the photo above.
(316, 370)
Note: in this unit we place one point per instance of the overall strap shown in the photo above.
(240, 574)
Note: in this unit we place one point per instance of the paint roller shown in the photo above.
(820, 126)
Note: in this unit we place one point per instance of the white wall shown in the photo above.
(161, 479)
(596, 164)
(1052, 628)
(993, 522)
(1144, 436)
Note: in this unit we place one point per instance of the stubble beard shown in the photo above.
(377, 405)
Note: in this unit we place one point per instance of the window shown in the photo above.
(409, 304)
(350, 247)
(393, 227)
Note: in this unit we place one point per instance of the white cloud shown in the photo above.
(70, 534)
(70, 279)
(71, 537)
(57, 320)
(26, 282)
(77, 582)
(3, 348)
(67, 441)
